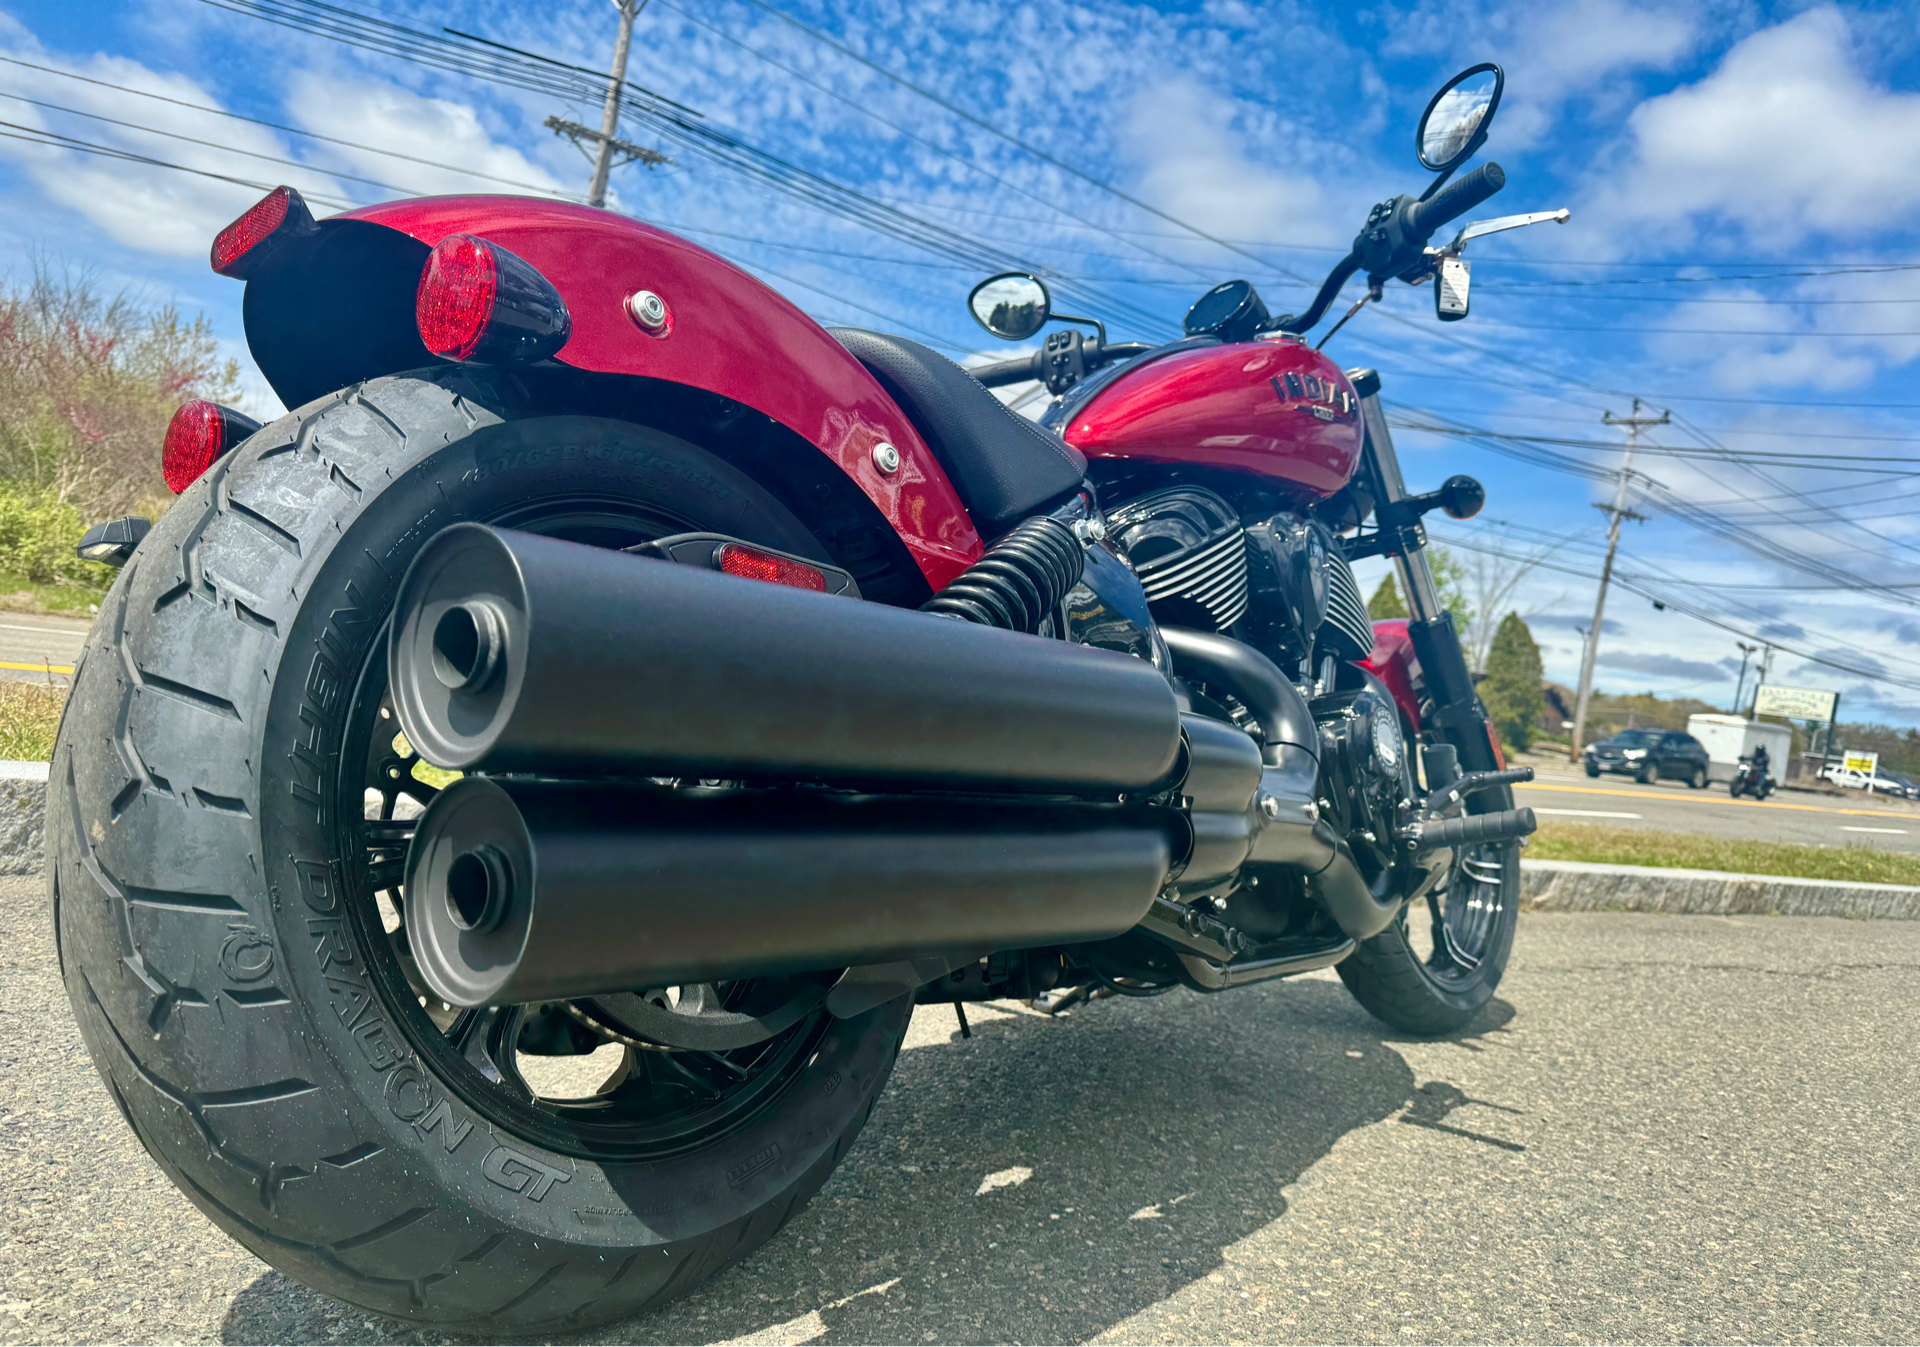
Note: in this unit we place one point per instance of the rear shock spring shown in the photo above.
(1020, 580)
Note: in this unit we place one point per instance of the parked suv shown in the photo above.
(1649, 755)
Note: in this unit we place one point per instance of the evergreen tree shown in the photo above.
(1385, 602)
(1511, 690)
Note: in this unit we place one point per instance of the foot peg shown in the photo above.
(1468, 829)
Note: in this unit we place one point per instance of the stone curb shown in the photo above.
(23, 811)
(1579, 886)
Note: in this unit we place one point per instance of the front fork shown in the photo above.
(1456, 714)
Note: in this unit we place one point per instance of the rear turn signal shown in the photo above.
(276, 217)
(477, 301)
(198, 435)
(750, 563)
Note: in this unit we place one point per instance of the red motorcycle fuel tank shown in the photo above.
(1270, 409)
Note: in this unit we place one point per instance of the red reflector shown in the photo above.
(196, 437)
(244, 234)
(1493, 737)
(455, 299)
(750, 564)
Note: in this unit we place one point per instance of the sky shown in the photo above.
(1744, 182)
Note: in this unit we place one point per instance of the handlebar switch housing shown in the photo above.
(1063, 360)
(1382, 245)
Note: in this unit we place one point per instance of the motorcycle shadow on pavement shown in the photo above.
(1041, 1181)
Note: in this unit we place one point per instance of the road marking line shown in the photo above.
(1677, 798)
(45, 631)
(38, 668)
(1902, 832)
(1587, 813)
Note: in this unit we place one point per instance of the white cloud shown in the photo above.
(1785, 140)
(1189, 157)
(153, 209)
(387, 117)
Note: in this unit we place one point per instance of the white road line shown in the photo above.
(1585, 813)
(1902, 832)
(45, 631)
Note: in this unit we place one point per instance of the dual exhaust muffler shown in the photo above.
(691, 777)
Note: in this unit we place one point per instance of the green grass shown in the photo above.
(21, 595)
(29, 715)
(1687, 851)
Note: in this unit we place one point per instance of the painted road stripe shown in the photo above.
(1846, 829)
(1677, 798)
(38, 668)
(45, 631)
(1586, 813)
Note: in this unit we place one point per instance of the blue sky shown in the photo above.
(1709, 153)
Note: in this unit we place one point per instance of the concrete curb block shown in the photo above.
(1578, 886)
(23, 812)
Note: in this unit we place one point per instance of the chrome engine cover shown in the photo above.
(1190, 553)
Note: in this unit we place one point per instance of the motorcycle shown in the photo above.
(509, 806)
(1750, 778)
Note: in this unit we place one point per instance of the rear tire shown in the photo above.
(1593, 770)
(234, 975)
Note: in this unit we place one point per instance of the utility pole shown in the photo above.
(1615, 513)
(1746, 653)
(605, 143)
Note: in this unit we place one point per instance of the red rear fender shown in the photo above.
(343, 311)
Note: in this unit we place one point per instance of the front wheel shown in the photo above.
(1698, 781)
(1648, 775)
(1433, 976)
(227, 826)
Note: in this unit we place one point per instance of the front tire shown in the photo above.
(224, 827)
(1698, 781)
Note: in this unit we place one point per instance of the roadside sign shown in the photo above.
(1774, 699)
(1864, 763)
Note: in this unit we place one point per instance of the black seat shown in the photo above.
(1004, 467)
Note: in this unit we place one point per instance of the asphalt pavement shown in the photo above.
(32, 645)
(1664, 1129)
(1561, 793)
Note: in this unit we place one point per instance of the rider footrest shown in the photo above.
(1468, 829)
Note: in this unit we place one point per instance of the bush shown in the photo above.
(38, 532)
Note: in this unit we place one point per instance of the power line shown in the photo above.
(54, 140)
(289, 130)
(1647, 331)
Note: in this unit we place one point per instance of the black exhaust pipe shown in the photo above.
(517, 653)
(534, 891)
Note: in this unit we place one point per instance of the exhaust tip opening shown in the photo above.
(467, 643)
(477, 889)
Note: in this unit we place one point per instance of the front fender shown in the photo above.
(339, 308)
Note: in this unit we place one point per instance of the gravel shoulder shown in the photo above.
(1667, 1128)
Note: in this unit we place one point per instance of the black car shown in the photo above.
(1649, 755)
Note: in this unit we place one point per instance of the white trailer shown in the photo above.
(1731, 738)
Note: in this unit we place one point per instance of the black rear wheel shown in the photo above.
(230, 810)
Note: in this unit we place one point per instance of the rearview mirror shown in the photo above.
(1456, 121)
(1012, 305)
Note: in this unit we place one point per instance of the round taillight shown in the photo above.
(196, 437)
(455, 300)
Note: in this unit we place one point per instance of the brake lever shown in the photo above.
(1481, 228)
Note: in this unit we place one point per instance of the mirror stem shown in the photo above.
(1094, 323)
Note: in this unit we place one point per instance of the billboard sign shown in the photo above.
(1865, 764)
(1774, 699)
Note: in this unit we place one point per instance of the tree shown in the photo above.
(1511, 688)
(1490, 580)
(1447, 575)
(1385, 602)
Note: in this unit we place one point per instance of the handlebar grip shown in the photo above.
(1454, 200)
(1014, 371)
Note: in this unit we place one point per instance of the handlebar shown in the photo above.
(1022, 368)
(1454, 200)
